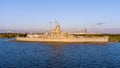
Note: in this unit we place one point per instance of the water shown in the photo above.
(41, 55)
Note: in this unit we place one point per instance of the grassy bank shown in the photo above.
(11, 35)
(114, 37)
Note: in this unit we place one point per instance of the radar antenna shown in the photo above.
(51, 25)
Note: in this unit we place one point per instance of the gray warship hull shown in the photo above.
(76, 40)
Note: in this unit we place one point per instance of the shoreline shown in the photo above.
(112, 37)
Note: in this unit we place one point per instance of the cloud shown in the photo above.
(100, 23)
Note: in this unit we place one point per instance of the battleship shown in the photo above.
(57, 35)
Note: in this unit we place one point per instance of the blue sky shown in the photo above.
(73, 15)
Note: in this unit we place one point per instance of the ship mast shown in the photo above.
(57, 26)
(50, 25)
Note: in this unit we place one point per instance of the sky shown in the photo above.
(73, 15)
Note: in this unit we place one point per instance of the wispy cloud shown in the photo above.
(100, 23)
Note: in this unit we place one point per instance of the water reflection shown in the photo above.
(80, 55)
(56, 59)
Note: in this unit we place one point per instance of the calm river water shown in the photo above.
(42, 55)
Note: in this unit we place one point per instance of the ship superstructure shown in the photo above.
(56, 35)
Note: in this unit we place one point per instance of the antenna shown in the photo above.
(51, 25)
(56, 22)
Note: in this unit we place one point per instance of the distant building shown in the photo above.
(9, 31)
(84, 31)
